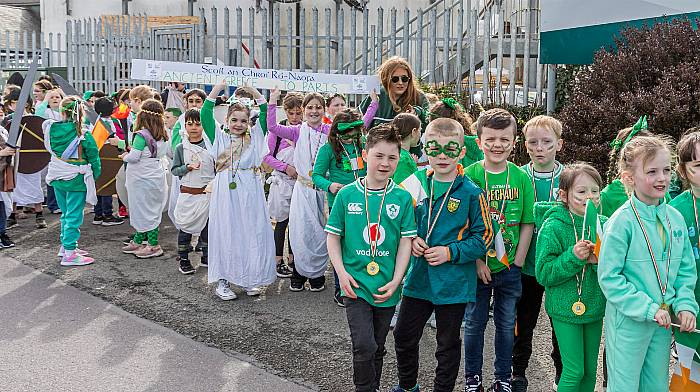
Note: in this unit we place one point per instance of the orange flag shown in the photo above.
(100, 134)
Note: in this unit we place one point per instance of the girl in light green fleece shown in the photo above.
(647, 271)
(566, 267)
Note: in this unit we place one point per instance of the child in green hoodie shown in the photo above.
(566, 267)
(407, 126)
(450, 108)
(646, 271)
(688, 344)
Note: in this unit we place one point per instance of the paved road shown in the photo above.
(302, 337)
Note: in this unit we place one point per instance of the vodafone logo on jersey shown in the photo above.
(377, 234)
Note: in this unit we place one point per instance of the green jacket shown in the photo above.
(556, 268)
(626, 273)
(614, 195)
(61, 135)
(461, 228)
(386, 113)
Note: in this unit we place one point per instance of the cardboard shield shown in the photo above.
(33, 156)
(106, 185)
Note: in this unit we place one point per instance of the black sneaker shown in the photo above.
(11, 222)
(186, 267)
(338, 299)
(283, 270)
(473, 384)
(128, 239)
(296, 286)
(6, 242)
(204, 262)
(316, 288)
(41, 222)
(500, 386)
(97, 220)
(111, 220)
(518, 383)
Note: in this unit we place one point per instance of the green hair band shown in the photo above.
(640, 125)
(342, 127)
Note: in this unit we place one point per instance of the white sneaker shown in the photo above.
(224, 292)
(62, 252)
(255, 291)
(76, 260)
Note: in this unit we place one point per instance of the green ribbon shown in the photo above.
(451, 103)
(68, 107)
(344, 126)
(640, 125)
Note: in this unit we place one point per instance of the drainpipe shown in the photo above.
(125, 7)
(190, 7)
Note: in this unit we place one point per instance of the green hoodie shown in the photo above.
(557, 268)
(61, 135)
(626, 273)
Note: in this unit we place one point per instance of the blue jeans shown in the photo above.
(51, 203)
(506, 288)
(103, 206)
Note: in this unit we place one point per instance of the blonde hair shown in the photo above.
(614, 155)
(72, 111)
(641, 149)
(446, 127)
(142, 92)
(549, 123)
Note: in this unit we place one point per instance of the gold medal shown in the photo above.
(311, 173)
(492, 252)
(372, 268)
(232, 185)
(665, 306)
(578, 308)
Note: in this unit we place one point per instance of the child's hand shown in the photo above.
(193, 166)
(122, 155)
(582, 249)
(7, 152)
(373, 96)
(114, 141)
(418, 247)
(335, 187)
(291, 171)
(663, 318)
(437, 255)
(483, 271)
(347, 282)
(687, 321)
(388, 290)
(274, 95)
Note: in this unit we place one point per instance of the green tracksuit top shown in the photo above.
(60, 136)
(625, 271)
(557, 267)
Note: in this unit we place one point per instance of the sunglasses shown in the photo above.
(403, 79)
(314, 107)
(193, 123)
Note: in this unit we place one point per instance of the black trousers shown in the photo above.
(528, 311)
(184, 239)
(413, 315)
(280, 233)
(369, 326)
(298, 278)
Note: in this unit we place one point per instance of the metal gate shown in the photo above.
(175, 43)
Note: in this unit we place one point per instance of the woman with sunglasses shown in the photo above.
(399, 93)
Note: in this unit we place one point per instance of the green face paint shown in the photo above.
(451, 149)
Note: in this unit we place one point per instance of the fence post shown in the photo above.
(392, 32)
(290, 40)
(251, 31)
(447, 25)
(460, 55)
(302, 40)
(276, 36)
(340, 56)
(227, 36)
(499, 55)
(328, 39)
(432, 44)
(486, 63)
(365, 40)
(419, 43)
(379, 45)
(406, 43)
(526, 60)
(473, 28)
(551, 87)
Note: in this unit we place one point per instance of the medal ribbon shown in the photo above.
(695, 209)
(354, 172)
(373, 242)
(486, 185)
(431, 226)
(579, 282)
(662, 287)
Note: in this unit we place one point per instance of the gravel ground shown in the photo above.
(302, 337)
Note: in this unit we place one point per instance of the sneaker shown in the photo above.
(316, 289)
(500, 386)
(296, 286)
(254, 292)
(62, 252)
(518, 383)
(57, 211)
(128, 239)
(186, 267)
(123, 213)
(75, 260)
(283, 270)
(111, 220)
(5, 241)
(149, 251)
(338, 299)
(97, 220)
(11, 222)
(204, 262)
(41, 222)
(473, 384)
(224, 292)
(132, 248)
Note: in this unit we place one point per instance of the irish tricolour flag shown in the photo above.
(592, 230)
(499, 247)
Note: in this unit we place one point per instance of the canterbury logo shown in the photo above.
(354, 208)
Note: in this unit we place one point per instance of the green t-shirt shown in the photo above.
(514, 188)
(613, 196)
(546, 189)
(405, 167)
(349, 221)
(351, 167)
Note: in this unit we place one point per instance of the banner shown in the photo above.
(168, 71)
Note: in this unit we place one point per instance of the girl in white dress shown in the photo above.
(241, 242)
